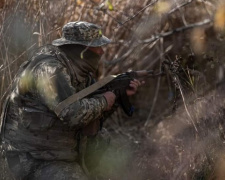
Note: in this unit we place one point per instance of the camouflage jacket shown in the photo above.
(31, 124)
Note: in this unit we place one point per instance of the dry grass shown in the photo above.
(144, 34)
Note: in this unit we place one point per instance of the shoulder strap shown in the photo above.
(83, 93)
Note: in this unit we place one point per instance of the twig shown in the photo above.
(122, 57)
(206, 9)
(190, 26)
(2, 84)
(3, 22)
(178, 7)
(181, 13)
(37, 14)
(158, 84)
(129, 19)
(7, 59)
(14, 14)
(17, 57)
(185, 106)
(106, 12)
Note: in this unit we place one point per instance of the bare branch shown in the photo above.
(178, 7)
(129, 19)
(181, 13)
(19, 56)
(190, 26)
(185, 105)
(158, 83)
(121, 58)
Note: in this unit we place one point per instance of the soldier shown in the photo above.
(40, 143)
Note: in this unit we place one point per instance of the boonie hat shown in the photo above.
(82, 33)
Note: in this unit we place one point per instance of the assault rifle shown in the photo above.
(117, 84)
(121, 83)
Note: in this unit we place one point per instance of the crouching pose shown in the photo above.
(40, 143)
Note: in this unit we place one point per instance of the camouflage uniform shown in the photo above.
(39, 144)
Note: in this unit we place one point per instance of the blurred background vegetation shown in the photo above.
(176, 131)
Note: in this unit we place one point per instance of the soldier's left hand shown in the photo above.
(134, 87)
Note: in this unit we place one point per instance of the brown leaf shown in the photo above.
(220, 18)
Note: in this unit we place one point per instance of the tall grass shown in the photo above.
(144, 34)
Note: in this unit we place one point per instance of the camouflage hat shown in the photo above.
(83, 33)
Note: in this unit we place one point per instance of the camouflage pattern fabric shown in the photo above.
(25, 167)
(32, 128)
(82, 33)
(58, 171)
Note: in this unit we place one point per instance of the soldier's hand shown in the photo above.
(110, 98)
(134, 87)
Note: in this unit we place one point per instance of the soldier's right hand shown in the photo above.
(110, 98)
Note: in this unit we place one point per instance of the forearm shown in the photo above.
(84, 111)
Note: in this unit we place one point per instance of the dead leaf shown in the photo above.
(219, 18)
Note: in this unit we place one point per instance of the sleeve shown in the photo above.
(53, 85)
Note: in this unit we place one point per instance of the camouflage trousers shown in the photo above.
(24, 167)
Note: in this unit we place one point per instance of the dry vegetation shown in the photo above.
(177, 129)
